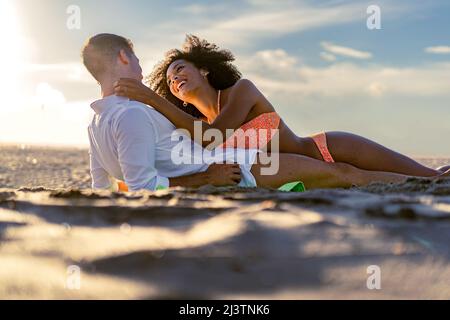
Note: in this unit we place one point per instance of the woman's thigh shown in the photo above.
(294, 167)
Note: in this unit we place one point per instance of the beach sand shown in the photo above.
(59, 240)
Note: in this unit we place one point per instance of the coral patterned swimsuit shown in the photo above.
(256, 133)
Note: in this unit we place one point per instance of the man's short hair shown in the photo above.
(100, 51)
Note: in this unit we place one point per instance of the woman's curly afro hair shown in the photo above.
(204, 55)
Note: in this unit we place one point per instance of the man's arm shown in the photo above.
(100, 178)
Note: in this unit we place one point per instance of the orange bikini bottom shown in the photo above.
(320, 140)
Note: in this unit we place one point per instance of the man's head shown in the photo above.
(110, 57)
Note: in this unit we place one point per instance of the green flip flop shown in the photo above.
(296, 186)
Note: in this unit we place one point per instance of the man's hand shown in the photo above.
(134, 90)
(223, 174)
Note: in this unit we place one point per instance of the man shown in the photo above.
(132, 142)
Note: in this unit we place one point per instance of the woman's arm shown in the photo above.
(217, 175)
(242, 98)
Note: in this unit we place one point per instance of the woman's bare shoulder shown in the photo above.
(244, 86)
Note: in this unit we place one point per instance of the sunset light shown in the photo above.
(207, 152)
(11, 55)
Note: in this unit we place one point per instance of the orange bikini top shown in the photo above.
(256, 133)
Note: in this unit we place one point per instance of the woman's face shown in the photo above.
(183, 78)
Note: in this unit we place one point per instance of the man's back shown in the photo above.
(133, 142)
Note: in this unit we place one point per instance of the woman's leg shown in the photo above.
(318, 174)
(368, 155)
(443, 168)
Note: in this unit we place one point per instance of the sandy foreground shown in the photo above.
(59, 240)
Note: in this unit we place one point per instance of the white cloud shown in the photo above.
(276, 59)
(346, 51)
(328, 56)
(438, 50)
(254, 22)
(260, 24)
(47, 96)
(58, 125)
(194, 9)
(258, 20)
(345, 79)
(274, 64)
(201, 9)
(376, 89)
(69, 71)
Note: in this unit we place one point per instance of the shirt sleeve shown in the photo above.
(136, 145)
(100, 178)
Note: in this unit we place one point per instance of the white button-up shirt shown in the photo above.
(132, 142)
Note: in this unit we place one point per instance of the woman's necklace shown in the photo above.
(218, 101)
(218, 105)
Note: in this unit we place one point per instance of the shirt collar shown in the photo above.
(101, 105)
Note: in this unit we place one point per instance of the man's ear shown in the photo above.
(123, 57)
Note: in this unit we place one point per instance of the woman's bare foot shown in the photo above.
(446, 174)
(443, 169)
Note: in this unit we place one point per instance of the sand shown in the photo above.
(60, 240)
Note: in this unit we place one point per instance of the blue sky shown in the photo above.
(317, 61)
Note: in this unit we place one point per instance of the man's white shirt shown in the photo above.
(132, 142)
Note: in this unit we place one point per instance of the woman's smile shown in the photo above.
(181, 84)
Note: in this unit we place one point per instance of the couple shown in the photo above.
(132, 133)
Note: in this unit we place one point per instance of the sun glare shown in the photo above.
(12, 55)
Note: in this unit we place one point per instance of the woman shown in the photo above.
(199, 82)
